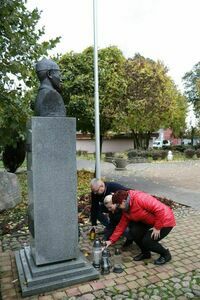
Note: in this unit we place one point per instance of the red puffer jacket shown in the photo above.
(147, 209)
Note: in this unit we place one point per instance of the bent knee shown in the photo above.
(147, 241)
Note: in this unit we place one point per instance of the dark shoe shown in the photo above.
(126, 245)
(142, 256)
(163, 259)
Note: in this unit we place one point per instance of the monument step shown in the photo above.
(48, 282)
(50, 268)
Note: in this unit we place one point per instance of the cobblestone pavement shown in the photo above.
(178, 279)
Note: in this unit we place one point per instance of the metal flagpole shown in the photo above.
(96, 95)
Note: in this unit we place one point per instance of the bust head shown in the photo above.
(48, 69)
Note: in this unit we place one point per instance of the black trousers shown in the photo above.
(101, 217)
(141, 235)
(108, 231)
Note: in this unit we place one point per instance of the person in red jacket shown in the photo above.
(149, 222)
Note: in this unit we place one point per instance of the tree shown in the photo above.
(19, 50)
(153, 101)
(177, 111)
(78, 88)
(192, 87)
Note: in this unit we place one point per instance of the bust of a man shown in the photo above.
(49, 102)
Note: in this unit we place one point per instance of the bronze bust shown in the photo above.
(49, 102)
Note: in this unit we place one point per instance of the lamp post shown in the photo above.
(96, 95)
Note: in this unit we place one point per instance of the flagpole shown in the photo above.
(96, 95)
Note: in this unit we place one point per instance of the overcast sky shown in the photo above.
(166, 30)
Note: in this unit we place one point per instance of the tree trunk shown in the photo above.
(141, 139)
(192, 135)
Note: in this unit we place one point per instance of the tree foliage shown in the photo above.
(19, 50)
(177, 111)
(192, 87)
(78, 87)
(153, 101)
(135, 95)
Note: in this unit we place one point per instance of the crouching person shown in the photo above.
(149, 221)
(115, 214)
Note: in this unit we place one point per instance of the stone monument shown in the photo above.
(10, 194)
(53, 259)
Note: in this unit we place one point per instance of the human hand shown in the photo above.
(155, 233)
(91, 228)
(108, 243)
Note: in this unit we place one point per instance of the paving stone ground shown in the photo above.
(178, 279)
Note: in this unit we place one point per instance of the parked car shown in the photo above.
(160, 143)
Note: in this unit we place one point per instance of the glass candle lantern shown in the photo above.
(117, 260)
(92, 234)
(105, 262)
(97, 252)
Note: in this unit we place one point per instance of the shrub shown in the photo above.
(138, 153)
(109, 154)
(179, 148)
(120, 155)
(156, 155)
(163, 154)
(13, 156)
(198, 153)
(197, 146)
(82, 152)
(189, 153)
(149, 153)
(169, 147)
(78, 152)
(132, 153)
(143, 153)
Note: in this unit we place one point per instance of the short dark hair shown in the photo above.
(119, 196)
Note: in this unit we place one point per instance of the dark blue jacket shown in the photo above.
(97, 200)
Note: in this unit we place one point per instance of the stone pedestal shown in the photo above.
(36, 280)
(53, 219)
(53, 215)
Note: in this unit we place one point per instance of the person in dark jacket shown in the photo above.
(99, 190)
(115, 214)
(149, 222)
